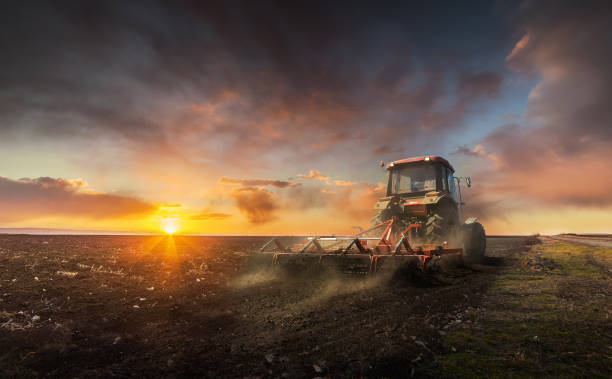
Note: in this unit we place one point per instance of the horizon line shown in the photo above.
(90, 232)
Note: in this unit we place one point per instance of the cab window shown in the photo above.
(444, 179)
(451, 182)
(413, 179)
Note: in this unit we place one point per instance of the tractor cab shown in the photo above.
(422, 191)
(415, 177)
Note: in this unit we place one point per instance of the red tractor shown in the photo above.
(418, 221)
(424, 191)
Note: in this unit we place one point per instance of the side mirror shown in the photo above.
(468, 181)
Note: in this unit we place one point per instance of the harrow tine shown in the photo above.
(386, 223)
(264, 247)
(306, 246)
(277, 243)
(357, 243)
(405, 242)
(316, 244)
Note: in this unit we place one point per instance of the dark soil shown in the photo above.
(101, 306)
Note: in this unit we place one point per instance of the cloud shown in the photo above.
(472, 87)
(245, 90)
(358, 201)
(344, 183)
(464, 150)
(26, 198)
(171, 205)
(559, 156)
(348, 200)
(478, 151)
(478, 85)
(207, 215)
(257, 182)
(518, 48)
(257, 204)
(203, 81)
(568, 48)
(314, 174)
(306, 197)
(485, 203)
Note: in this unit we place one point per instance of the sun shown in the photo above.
(170, 229)
(170, 225)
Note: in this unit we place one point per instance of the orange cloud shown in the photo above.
(518, 48)
(357, 201)
(170, 205)
(314, 174)
(40, 197)
(207, 215)
(344, 183)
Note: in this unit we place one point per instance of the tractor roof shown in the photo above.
(427, 158)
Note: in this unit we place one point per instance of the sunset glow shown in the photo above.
(278, 126)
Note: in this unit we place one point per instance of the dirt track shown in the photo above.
(140, 306)
(598, 242)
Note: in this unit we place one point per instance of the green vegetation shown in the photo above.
(548, 314)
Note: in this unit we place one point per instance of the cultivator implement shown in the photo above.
(384, 247)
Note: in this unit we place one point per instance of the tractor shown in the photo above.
(424, 191)
(417, 222)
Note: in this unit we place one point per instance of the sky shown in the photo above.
(242, 117)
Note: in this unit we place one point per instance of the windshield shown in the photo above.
(413, 179)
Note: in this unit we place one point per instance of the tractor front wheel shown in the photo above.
(474, 242)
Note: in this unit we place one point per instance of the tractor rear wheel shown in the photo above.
(474, 242)
(434, 228)
(440, 225)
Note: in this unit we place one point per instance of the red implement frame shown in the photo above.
(387, 246)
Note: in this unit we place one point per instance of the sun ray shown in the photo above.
(170, 251)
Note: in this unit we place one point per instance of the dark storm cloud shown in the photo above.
(34, 198)
(261, 76)
(67, 71)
